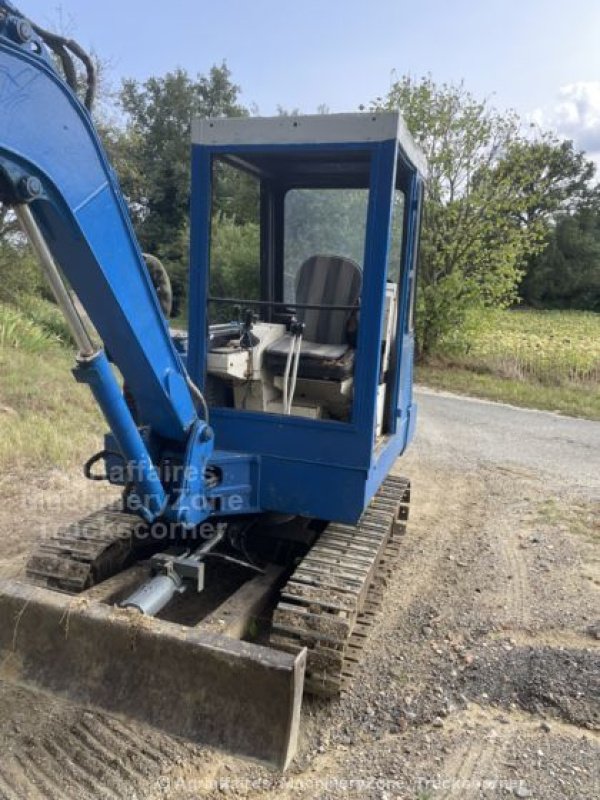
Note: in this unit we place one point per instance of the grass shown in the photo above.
(574, 401)
(582, 519)
(538, 359)
(46, 418)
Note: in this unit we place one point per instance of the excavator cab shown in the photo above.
(302, 290)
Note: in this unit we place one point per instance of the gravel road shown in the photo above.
(482, 676)
(476, 432)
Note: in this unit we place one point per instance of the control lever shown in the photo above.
(291, 364)
(248, 340)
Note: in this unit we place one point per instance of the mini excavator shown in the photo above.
(257, 516)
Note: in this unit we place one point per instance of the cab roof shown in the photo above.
(315, 129)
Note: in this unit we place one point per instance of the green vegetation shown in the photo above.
(555, 348)
(537, 359)
(19, 273)
(323, 221)
(581, 519)
(151, 154)
(567, 273)
(574, 402)
(45, 417)
(495, 203)
(235, 256)
(493, 196)
(31, 324)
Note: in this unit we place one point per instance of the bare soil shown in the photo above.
(481, 678)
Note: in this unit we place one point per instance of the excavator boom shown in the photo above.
(55, 173)
(51, 158)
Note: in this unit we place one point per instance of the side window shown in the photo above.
(235, 238)
(397, 230)
(322, 222)
(392, 294)
(414, 268)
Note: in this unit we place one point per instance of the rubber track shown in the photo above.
(85, 552)
(332, 597)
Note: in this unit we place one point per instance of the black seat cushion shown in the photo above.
(327, 280)
(325, 354)
(321, 361)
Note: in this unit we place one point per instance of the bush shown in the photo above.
(47, 316)
(19, 332)
(235, 263)
(19, 273)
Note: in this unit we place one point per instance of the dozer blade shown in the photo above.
(234, 695)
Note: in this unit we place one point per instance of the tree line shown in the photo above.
(511, 213)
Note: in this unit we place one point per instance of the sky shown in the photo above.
(540, 57)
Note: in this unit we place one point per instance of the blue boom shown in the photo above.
(51, 159)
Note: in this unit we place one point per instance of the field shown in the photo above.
(539, 359)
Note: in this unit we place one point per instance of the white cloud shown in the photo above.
(575, 115)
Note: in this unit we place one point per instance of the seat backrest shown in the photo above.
(327, 280)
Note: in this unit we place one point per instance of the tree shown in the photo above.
(473, 246)
(152, 155)
(8, 223)
(235, 263)
(549, 176)
(86, 74)
(19, 272)
(567, 273)
(322, 221)
(554, 183)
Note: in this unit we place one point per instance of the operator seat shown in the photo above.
(326, 352)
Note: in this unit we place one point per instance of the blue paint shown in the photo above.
(97, 373)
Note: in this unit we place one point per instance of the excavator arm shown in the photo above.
(55, 174)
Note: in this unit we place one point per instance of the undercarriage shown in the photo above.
(226, 665)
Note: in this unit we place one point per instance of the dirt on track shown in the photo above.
(482, 674)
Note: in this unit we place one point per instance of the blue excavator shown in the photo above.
(258, 517)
